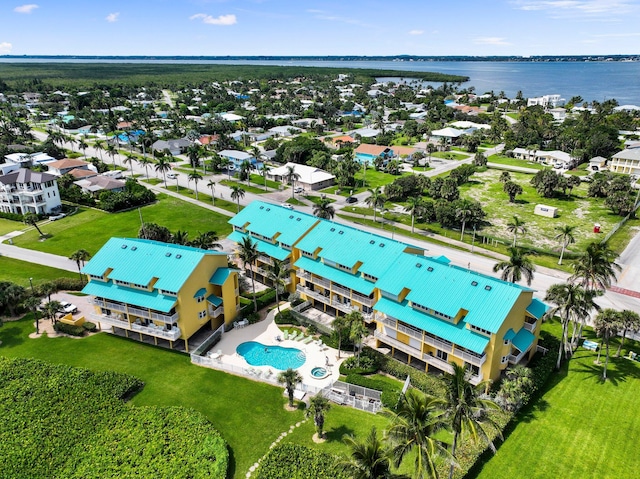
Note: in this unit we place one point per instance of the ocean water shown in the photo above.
(591, 80)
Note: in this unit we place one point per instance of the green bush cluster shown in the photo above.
(69, 329)
(60, 284)
(59, 421)
(286, 317)
(11, 216)
(266, 299)
(390, 394)
(89, 326)
(292, 461)
(368, 364)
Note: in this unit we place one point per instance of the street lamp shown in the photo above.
(31, 284)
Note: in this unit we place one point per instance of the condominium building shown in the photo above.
(423, 310)
(24, 191)
(159, 290)
(626, 161)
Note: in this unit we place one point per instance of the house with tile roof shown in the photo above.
(424, 311)
(164, 292)
(64, 166)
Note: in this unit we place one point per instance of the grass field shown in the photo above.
(449, 155)
(372, 179)
(19, 272)
(248, 188)
(90, 229)
(581, 427)
(505, 160)
(7, 226)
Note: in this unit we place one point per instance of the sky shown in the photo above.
(327, 27)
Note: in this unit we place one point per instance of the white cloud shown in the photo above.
(211, 20)
(416, 32)
(491, 41)
(5, 48)
(28, 8)
(589, 8)
(112, 17)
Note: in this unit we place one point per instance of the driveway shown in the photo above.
(82, 302)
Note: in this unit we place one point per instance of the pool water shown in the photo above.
(319, 373)
(258, 354)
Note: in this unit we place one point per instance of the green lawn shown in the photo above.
(248, 188)
(90, 228)
(580, 428)
(505, 160)
(372, 179)
(317, 199)
(449, 155)
(19, 272)
(259, 180)
(7, 226)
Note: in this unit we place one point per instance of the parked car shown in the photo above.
(66, 307)
(298, 189)
(59, 216)
(172, 176)
(351, 199)
(287, 206)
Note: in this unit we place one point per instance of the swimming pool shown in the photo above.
(258, 354)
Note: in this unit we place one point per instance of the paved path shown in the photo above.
(32, 256)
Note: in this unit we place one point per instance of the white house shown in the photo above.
(626, 161)
(286, 130)
(64, 166)
(310, 178)
(545, 101)
(25, 191)
(550, 158)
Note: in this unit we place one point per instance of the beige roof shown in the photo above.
(67, 163)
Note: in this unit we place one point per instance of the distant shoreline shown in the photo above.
(345, 58)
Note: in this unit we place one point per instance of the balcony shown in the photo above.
(344, 307)
(531, 327)
(416, 353)
(515, 359)
(265, 259)
(313, 294)
(214, 313)
(441, 364)
(314, 279)
(157, 331)
(143, 313)
(469, 357)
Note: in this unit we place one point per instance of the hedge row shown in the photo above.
(59, 421)
(390, 394)
(293, 461)
(69, 329)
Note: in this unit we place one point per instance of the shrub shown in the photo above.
(293, 461)
(252, 318)
(286, 317)
(69, 329)
(390, 394)
(11, 216)
(369, 364)
(89, 326)
(266, 299)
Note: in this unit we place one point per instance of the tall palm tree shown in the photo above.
(180, 237)
(162, 166)
(465, 410)
(144, 161)
(629, 321)
(318, 406)
(517, 266)
(464, 212)
(573, 303)
(130, 159)
(365, 163)
(206, 240)
(50, 310)
(212, 184)
(98, 145)
(48, 288)
(264, 171)
(606, 325)
(248, 254)
(237, 193)
(33, 303)
(290, 378)
(596, 267)
(375, 199)
(414, 203)
(112, 151)
(278, 273)
(357, 333)
(516, 226)
(82, 144)
(565, 236)
(340, 325)
(80, 256)
(195, 177)
(194, 153)
(32, 220)
(292, 176)
(417, 419)
(245, 171)
(369, 459)
(323, 209)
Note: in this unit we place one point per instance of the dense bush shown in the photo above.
(286, 317)
(269, 297)
(368, 364)
(59, 421)
(69, 329)
(11, 216)
(89, 326)
(133, 195)
(293, 461)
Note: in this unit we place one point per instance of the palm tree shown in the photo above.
(596, 267)
(98, 145)
(112, 151)
(33, 303)
(323, 209)
(290, 378)
(50, 310)
(180, 237)
(248, 254)
(264, 171)
(32, 219)
(369, 459)
(414, 203)
(565, 236)
(375, 199)
(292, 177)
(245, 171)
(606, 325)
(465, 410)
(225, 163)
(573, 303)
(194, 153)
(464, 212)
(517, 266)
(629, 321)
(411, 432)
(212, 184)
(82, 144)
(162, 166)
(144, 161)
(195, 177)
(237, 193)
(516, 226)
(365, 163)
(11, 295)
(48, 288)
(80, 256)
(318, 406)
(130, 159)
(339, 325)
(206, 240)
(357, 332)
(278, 273)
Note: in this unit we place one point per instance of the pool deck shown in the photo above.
(265, 332)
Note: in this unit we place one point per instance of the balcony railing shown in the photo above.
(143, 313)
(157, 331)
(469, 357)
(313, 294)
(398, 344)
(441, 364)
(530, 326)
(216, 312)
(515, 359)
(265, 259)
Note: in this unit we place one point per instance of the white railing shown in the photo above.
(438, 363)
(357, 397)
(470, 357)
(411, 332)
(515, 359)
(313, 294)
(216, 312)
(157, 331)
(398, 344)
(360, 298)
(315, 280)
(265, 259)
(530, 326)
(143, 313)
(341, 290)
(390, 321)
(436, 343)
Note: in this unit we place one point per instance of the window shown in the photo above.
(121, 283)
(202, 314)
(507, 342)
(441, 355)
(504, 359)
(200, 299)
(480, 330)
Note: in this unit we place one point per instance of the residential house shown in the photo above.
(366, 152)
(626, 161)
(597, 163)
(175, 146)
(97, 184)
(310, 178)
(238, 157)
(286, 130)
(64, 166)
(551, 158)
(166, 292)
(24, 191)
(545, 101)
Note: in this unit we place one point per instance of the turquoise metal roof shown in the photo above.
(455, 333)
(447, 289)
(262, 246)
(537, 308)
(523, 340)
(508, 336)
(200, 292)
(138, 261)
(343, 278)
(145, 299)
(220, 276)
(268, 220)
(213, 299)
(442, 259)
(346, 246)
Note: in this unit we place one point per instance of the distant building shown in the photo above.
(626, 161)
(546, 101)
(25, 191)
(64, 166)
(97, 184)
(175, 147)
(550, 158)
(310, 178)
